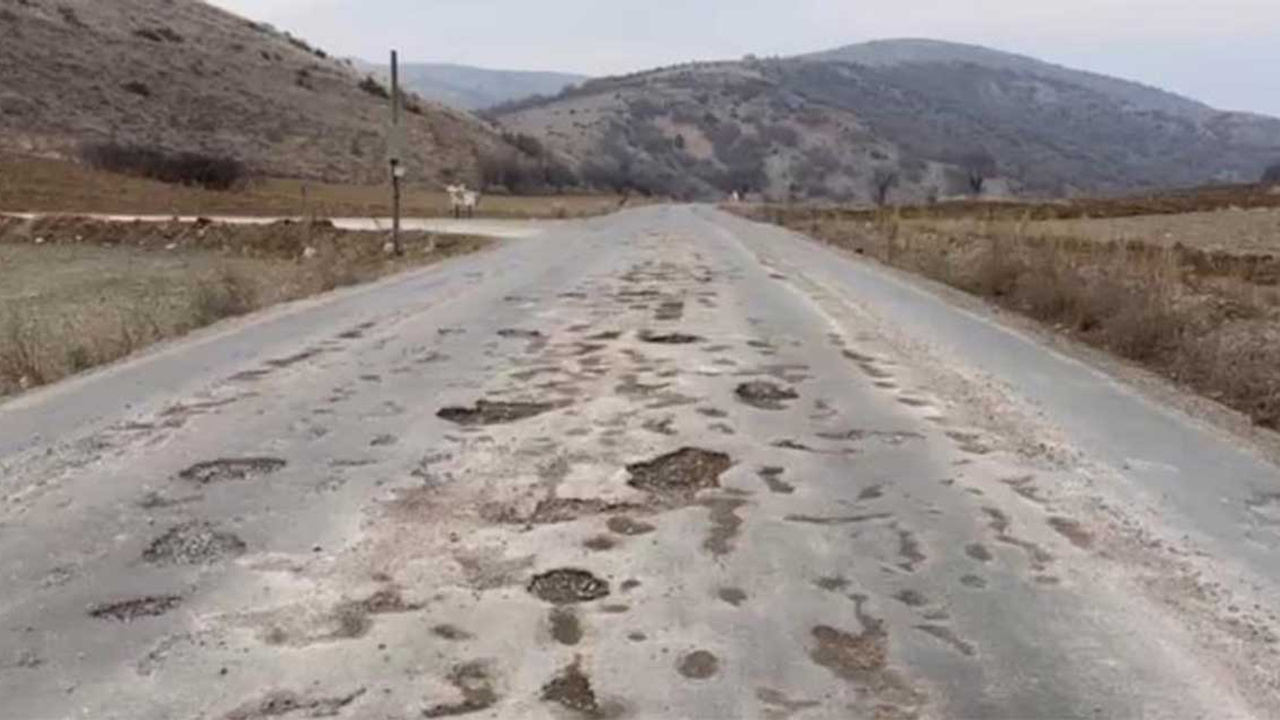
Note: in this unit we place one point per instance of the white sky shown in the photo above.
(1224, 52)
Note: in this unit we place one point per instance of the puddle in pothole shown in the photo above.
(129, 610)
(568, 586)
(195, 543)
(485, 412)
(683, 472)
(765, 395)
(232, 470)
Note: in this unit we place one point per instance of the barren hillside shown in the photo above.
(910, 115)
(182, 75)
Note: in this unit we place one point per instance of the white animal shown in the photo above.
(464, 201)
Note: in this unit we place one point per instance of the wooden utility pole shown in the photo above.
(395, 146)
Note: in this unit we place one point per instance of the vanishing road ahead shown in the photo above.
(664, 464)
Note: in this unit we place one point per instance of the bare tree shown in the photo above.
(1271, 176)
(883, 180)
(979, 166)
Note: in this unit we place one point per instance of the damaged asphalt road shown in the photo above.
(666, 464)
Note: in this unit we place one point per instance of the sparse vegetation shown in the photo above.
(186, 168)
(1271, 176)
(883, 180)
(1206, 317)
(91, 292)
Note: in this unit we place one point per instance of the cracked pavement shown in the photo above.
(666, 463)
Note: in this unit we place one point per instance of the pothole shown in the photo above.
(129, 610)
(231, 470)
(683, 472)
(571, 689)
(280, 703)
(494, 413)
(699, 665)
(387, 601)
(196, 543)
(600, 543)
(623, 525)
(672, 338)
(1073, 531)
(520, 333)
(565, 627)
(568, 586)
(670, 310)
(556, 510)
(451, 633)
(772, 477)
(765, 395)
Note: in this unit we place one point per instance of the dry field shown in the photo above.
(38, 185)
(1193, 296)
(76, 293)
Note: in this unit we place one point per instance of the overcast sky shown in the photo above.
(1224, 52)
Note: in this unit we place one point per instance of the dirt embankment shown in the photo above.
(76, 293)
(1205, 314)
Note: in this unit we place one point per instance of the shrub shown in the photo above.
(228, 294)
(978, 166)
(187, 168)
(375, 88)
(1271, 176)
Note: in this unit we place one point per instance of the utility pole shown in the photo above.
(395, 145)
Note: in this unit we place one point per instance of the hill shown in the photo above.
(472, 88)
(911, 118)
(181, 75)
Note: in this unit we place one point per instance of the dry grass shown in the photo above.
(41, 185)
(90, 292)
(1206, 315)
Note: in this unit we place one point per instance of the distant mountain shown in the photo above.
(472, 88)
(182, 75)
(895, 53)
(911, 115)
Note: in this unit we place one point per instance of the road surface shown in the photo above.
(664, 464)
